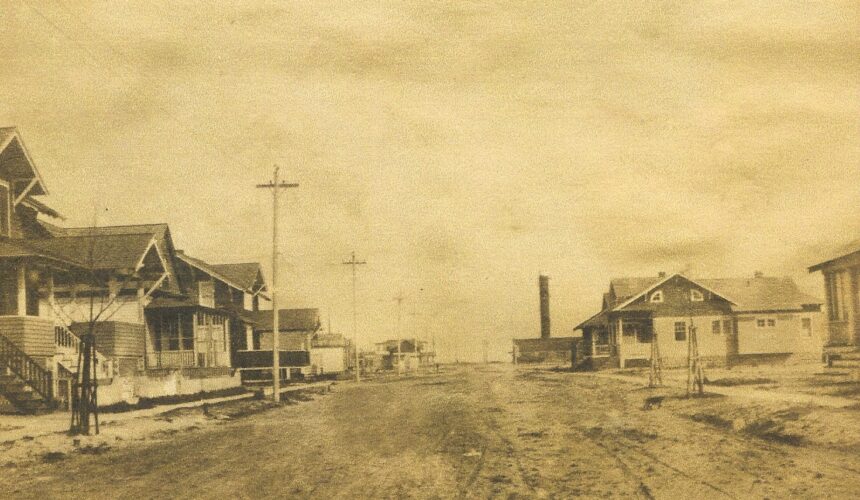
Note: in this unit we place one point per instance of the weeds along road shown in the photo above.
(476, 432)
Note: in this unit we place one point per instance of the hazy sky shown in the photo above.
(461, 147)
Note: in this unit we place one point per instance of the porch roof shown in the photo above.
(104, 252)
(599, 319)
(19, 249)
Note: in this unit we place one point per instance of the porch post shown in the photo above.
(620, 339)
(22, 289)
(593, 342)
(249, 338)
(51, 300)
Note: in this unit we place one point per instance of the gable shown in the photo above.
(677, 299)
(16, 166)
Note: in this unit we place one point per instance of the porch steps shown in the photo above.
(68, 348)
(842, 357)
(22, 398)
(24, 382)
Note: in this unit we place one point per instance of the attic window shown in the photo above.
(657, 297)
(696, 296)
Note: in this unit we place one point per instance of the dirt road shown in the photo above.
(479, 432)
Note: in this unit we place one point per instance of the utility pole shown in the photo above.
(399, 300)
(352, 262)
(275, 185)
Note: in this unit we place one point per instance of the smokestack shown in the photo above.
(543, 285)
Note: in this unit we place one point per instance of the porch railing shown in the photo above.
(25, 367)
(63, 337)
(68, 341)
(601, 350)
(170, 359)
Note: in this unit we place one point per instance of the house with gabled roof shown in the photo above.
(297, 329)
(163, 323)
(757, 319)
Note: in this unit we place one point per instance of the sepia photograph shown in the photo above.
(429, 249)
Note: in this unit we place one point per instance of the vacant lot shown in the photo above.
(478, 432)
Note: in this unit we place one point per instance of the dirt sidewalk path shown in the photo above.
(794, 398)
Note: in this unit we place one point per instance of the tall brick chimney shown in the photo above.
(543, 285)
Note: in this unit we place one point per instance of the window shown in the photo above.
(760, 323)
(657, 297)
(728, 326)
(642, 332)
(806, 326)
(680, 331)
(696, 296)
(172, 333)
(765, 323)
(771, 323)
(715, 327)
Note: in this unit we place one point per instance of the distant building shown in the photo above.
(413, 354)
(329, 354)
(757, 319)
(557, 351)
(297, 329)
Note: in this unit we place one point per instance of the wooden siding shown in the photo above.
(287, 341)
(116, 338)
(785, 337)
(674, 352)
(676, 301)
(34, 336)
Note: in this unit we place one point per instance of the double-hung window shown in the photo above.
(680, 331)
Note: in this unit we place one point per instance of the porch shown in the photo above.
(187, 337)
(633, 335)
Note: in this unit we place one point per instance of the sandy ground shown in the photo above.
(475, 432)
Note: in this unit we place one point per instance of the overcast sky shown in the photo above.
(459, 147)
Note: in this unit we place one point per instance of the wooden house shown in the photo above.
(413, 354)
(757, 319)
(297, 328)
(153, 313)
(330, 353)
(841, 274)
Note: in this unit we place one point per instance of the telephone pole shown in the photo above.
(399, 300)
(352, 262)
(275, 185)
